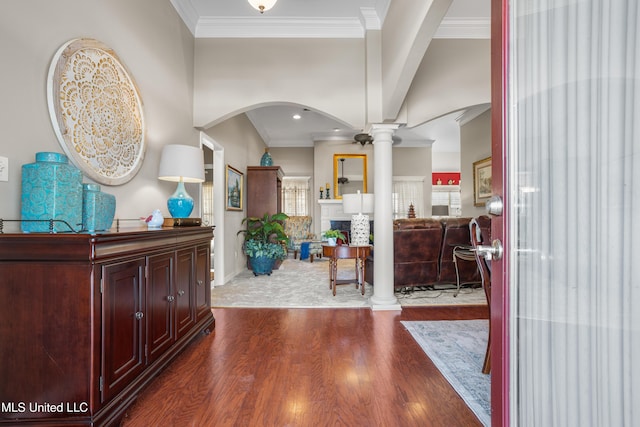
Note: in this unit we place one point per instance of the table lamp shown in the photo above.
(359, 205)
(181, 163)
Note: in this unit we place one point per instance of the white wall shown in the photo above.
(152, 42)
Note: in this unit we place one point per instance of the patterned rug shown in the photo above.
(302, 284)
(457, 348)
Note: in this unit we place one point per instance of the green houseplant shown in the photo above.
(333, 235)
(264, 241)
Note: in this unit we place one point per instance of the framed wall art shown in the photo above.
(482, 181)
(96, 111)
(235, 192)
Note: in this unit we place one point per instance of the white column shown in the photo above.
(383, 297)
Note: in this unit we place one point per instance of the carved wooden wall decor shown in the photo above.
(96, 111)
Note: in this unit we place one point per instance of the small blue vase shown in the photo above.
(98, 208)
(266, 159)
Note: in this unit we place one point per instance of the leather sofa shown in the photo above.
(423, 252)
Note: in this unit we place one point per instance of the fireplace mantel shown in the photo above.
(332, 209)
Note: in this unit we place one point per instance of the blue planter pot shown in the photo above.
(261, 265)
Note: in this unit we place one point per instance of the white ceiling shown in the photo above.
(329, 18)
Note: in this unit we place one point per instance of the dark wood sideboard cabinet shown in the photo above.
(88, 320)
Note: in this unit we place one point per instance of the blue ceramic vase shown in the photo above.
(261, 265)
(98, 208)
(266, 159)
(51, 190)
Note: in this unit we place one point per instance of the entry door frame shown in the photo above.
(500, 280)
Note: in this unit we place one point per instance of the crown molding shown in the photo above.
(187, 13)
(370, 18)
(471, 113)
(464, 28)
(266, 27)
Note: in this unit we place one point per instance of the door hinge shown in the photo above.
(101, 383)
(101, 285)
(146, 272)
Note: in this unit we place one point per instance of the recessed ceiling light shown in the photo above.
(336, 129)
(297, 116)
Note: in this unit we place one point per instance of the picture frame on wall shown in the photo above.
(482, 189)
(235, 193)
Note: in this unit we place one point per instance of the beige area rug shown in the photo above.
(302, 284)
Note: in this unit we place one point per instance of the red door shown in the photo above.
(499, 226)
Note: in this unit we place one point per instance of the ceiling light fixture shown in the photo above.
(297, 116)
(262, 5)
(342, 179)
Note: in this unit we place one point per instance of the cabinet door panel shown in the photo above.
(185, 280)
(123, 325)
(203, 282)
(161, 330)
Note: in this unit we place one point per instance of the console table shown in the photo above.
(359, 253)
(89, 320)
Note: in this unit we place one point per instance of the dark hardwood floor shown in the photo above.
(306, 367)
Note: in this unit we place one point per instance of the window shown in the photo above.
(446, 196)
(295, 195)
(408, 191)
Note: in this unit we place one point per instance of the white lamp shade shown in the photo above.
(262, 5)
(181, 162)
(358, 203)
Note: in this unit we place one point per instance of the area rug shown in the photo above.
(457, 348)
(302, 284)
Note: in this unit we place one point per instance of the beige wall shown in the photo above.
(454, 74)
(242, 147)
(150, 40)
(475, 144)
(295, 161)
(235, 75)
(444, 161)
(415, 162)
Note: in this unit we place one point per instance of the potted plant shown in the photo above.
(332, 236)
(264, 241)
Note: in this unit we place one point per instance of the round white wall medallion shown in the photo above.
(96, 111)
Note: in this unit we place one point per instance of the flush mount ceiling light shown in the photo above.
(262, 5)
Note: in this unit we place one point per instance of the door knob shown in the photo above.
(493, 252)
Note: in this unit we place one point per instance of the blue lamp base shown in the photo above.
(180, 204)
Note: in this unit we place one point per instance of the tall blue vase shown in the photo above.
(51, 190)
(266, 159)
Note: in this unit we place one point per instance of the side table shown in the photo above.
(359, 253)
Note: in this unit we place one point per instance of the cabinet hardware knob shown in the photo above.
(199, 282)
(180, 293)
(139, 315)
(170, 298)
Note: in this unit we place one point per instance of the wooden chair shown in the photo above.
(480, 229)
